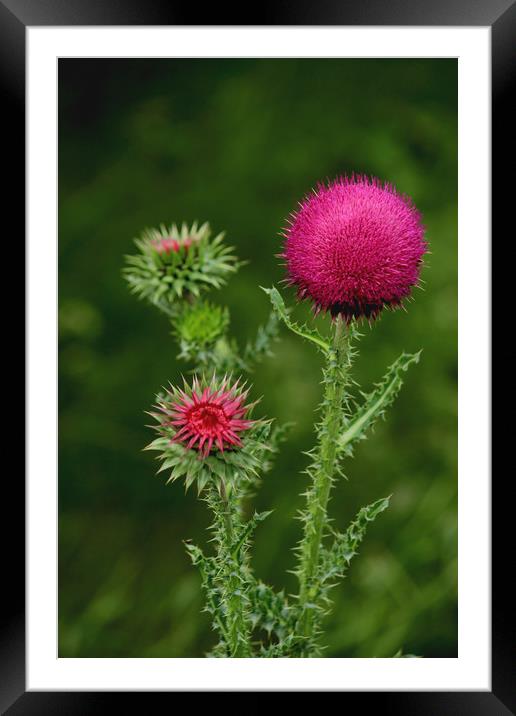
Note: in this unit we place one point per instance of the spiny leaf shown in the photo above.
(231, 582)
(271, 612)
(304, 331)
(247, 530)
(336, 559)
(209, 574)
(260, 347)
(376, 402)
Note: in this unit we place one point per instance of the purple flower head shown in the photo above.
(354, 246)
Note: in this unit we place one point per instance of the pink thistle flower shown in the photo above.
(168, 245)
(208, 418)
(354, 246)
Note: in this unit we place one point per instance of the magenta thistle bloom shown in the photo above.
(354, 246)
(213, 417)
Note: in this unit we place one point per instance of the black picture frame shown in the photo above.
(500, 16)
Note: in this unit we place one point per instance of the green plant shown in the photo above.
(207, 434)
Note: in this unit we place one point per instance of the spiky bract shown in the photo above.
(175, 263)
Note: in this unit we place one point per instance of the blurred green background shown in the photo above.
(238, 143)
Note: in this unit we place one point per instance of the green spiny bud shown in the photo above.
(199, 325)
(175, 263)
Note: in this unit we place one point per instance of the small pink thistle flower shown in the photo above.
(354, 246)
(168, 245)
(210, 417)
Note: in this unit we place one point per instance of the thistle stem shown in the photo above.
(237, 627)
(316, 516)
(227, 512)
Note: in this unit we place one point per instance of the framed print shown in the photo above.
(313, 176)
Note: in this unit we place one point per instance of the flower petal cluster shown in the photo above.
(354, 246)
(168, 244)
(213, 417)
(205, 432)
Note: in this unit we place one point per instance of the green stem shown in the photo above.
(227, 511)
(237, 627)
(316, 517)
